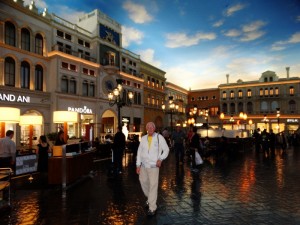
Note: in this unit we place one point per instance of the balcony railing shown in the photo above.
(74, 53)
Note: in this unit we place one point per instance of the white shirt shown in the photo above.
(159, 150)
(7, 148)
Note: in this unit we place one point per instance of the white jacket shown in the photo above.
(159, 149)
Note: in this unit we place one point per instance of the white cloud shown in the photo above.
(137, 12)
(147, 55)
(281, 45)
(251, 36)
(218, 23)
(130, 34)
(176, 40)
(254, 26)
(232, 33)
(233, 9)
(295, 38)
(248, 32)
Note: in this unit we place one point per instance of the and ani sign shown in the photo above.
(14, 98)
(83, 110)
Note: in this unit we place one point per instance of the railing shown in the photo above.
(74, 53)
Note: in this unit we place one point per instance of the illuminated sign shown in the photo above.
(83, 110)
(292, 120)
(14, 98)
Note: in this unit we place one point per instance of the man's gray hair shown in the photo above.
(150, 124)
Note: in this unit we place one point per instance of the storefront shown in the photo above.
(32, 103)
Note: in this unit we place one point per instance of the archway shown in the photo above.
(109, 122)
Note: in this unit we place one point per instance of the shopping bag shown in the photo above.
(198, 158)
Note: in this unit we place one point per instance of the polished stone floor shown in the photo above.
(247, 189)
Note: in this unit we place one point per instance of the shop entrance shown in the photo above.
(109, 122)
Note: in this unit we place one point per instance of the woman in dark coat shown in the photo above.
(194, 146)
(42, 151)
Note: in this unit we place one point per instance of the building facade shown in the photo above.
(49, 64)
(154, 94)
(270, 102)
(179, 96)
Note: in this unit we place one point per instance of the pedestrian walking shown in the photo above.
(8, 150)
(272, 138)
(194, 146)
(178, 137)
(42, 152)
(153, 149)
(118, 149)
(265, 142)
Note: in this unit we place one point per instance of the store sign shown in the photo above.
(83, 110)
(14, 98)
(292, 120)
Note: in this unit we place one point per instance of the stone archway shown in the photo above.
(109, 122)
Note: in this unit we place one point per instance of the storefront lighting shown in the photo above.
(65, 117)
(8, 115)
(30, 120)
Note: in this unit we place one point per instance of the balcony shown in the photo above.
(73, 53)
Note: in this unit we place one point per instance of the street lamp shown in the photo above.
(231, 120)
(244, 117)
(250, 124)
(265, 120)
(222, 116)
(173, 107)
(115, 98)
(278, 115)
(206, 118)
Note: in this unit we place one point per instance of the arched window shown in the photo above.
(224, 108)
(292, 106)
(85, 88)
(38, 78)
(92, 89)
(153, 82)
(240, 93)
(148, 99)
(10, 34)
(264, 106)
(73, 86)
(249, 107)
(232, 108)
(231, 94)
(261, 92)
(139, 98)
(25, 75)
(39, 44)
(249, 93)
(135, 98)
(10, 71)
(224, 96)
(64, 84)
(274, 105)
(240, 107)
(292, 91)
(25, 39)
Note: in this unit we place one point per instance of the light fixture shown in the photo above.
(65, 117)
(116, 98)
(173, 108)
(8, 115)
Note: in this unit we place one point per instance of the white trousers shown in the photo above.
(149, 182)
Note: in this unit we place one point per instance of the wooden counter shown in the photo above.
(76, 167)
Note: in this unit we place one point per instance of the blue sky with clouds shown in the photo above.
(198, 42)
